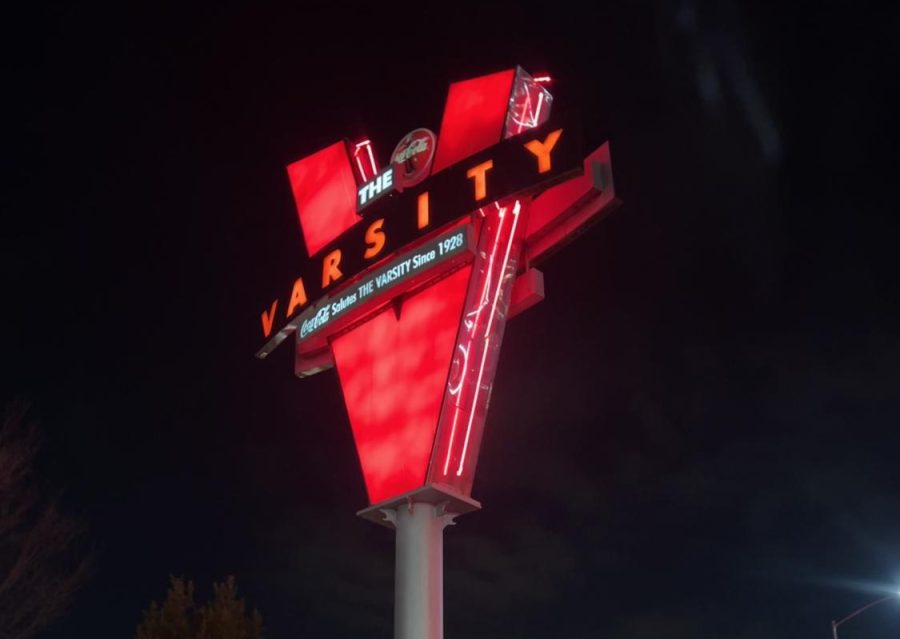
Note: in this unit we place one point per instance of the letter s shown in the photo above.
(374, 239)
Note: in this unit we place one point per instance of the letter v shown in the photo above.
(268, 319)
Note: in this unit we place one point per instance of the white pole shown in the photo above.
(419, 570)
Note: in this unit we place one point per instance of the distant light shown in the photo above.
(543, 79)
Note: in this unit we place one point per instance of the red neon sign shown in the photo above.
(412, 277)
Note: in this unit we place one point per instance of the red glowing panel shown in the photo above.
(474, 117)
(558, 214)
(393, 373)
(325, 193)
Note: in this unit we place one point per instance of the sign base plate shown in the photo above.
(434, 494)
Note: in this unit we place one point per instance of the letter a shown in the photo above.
(298, 297)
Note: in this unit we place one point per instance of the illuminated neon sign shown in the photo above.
(413, 270)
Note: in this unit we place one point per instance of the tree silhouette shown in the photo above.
(40, 566)
(225, 617)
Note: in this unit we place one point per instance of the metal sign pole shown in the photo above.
(419, 570)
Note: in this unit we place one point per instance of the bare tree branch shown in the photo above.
(41, 563)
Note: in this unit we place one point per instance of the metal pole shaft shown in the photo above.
(419, 571)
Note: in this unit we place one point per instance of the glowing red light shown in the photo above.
(325, 194)
(474, 116)
(393, 371)
(543, 79)
(365, 161)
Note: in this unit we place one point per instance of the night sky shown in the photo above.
(695, 435)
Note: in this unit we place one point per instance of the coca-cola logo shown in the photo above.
(316, 321)
(412, 157)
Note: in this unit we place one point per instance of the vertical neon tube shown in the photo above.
(487, 333)
(472, 370)
(470, 328)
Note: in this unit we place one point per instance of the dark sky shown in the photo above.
(695, 435)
